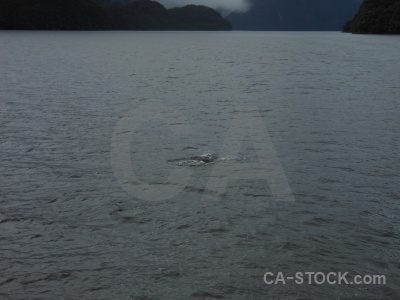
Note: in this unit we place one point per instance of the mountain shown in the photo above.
(104, 15)
(295, 15)
(197, 17)
(52, 15)
(139, 15)
(376, 16)
(151, 15)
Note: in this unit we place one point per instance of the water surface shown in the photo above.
(68, 230)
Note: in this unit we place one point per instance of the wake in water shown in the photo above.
(203, 159)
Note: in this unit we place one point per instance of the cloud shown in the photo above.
(225, 6)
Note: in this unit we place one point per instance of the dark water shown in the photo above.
(69, 227)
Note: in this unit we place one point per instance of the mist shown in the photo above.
(224, 6)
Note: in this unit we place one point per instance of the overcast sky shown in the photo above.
(226, 6)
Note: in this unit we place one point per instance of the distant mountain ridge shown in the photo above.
(376, 16)
(295, 15)
(151, 15)
(91, 15)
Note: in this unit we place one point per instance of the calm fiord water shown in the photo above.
(130, 164)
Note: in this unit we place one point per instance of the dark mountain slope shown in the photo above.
(197, 17)
(376, 16)
(150, 15)
(90, 15)
(52, 15)
(139, 15)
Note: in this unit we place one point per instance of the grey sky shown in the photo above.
(222, 5)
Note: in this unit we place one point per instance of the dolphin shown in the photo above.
(206, 157)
